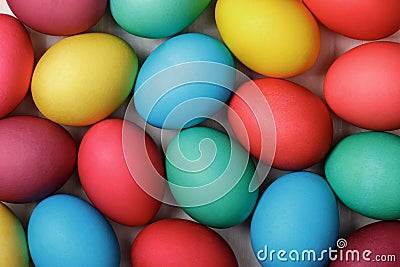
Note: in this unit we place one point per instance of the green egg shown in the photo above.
(364, 171)
(156, 18)
(209, 176)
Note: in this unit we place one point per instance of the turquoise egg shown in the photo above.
(184, 81)
(364, 171)
(209, 175)
(66, 231)
(296, 222)
(156, 18)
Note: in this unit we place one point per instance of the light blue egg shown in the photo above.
(66, 231)
(184, 81)
(296, 222)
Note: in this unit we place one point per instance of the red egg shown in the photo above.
(376, 244)
(59, 17)
(301, 126)
(358, 19)
(363, 86)
(37, 157)
(180, 243)
(121, 171)
(16, 63)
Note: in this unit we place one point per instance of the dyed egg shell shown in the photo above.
(37, 157)
(364, 20)
(300, 121)
(16, 64)
(84, 78)
(59, 17)
(297, 214)
(13, 247)
(363, 86)
(272, 37)
(67, 231)
(375, 244)
(156, 18)
(180, 243)
(363, 170)
(209, 176)
(118, 156)
(184, 81)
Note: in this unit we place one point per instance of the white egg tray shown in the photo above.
(333, 45)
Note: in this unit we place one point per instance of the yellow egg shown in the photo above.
(13, 247)
(84, 78)
(276, 38)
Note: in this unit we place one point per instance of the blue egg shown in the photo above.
(184, 81)
(296, 222)
(66, 231)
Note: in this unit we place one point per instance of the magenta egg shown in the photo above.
(376, 244)
(59, 17)
(37, 157)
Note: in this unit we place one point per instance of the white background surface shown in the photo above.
(333, 45)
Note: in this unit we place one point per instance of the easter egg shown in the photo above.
(299, 129)
(16, 64)
(209, 175)
(296, 222)
(363, 86)
(156, 18)
(271, 37)
(59, 17)
(118, 156)
(184, 81)
(13, 247)
(364, 20)
(179, 243)
(67, 231)
(363, 170)
(37, 157)
(84, 78)
(372, 245)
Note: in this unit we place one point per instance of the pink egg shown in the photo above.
(37, 157)
(362, 86)
(59, 17)
(117, 161)
(180, 243)
(16, 63)
(300, 132)
(358, 19)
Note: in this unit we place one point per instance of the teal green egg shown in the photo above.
(209, 175)
(364, 171)
(156, 18)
